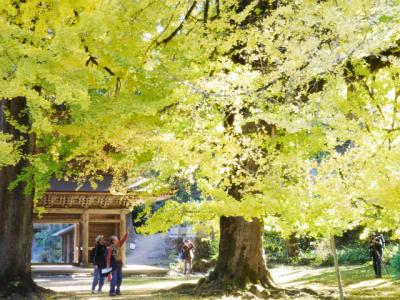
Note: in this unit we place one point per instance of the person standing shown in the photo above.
(380, 237)
(114, 260)
(187, 256)
(99, 261)
(376, 251)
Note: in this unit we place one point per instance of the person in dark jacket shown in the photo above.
(99, 263)
(376, 245)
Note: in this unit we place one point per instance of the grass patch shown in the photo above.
(359, 282)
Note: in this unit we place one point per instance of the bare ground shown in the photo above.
(359, 283)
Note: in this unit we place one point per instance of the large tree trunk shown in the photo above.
(15, 208)
(241, 259)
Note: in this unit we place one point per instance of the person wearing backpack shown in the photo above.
(376, 246)
(98, 258)
(114, 260)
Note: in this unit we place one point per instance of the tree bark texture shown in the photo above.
(15, 207)
(241, 259)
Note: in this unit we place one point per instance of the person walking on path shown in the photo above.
(187, 256)
(376, 244)
(114, 260)
(99, 261)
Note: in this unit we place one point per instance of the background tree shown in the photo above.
(18, 231)
(79, 101)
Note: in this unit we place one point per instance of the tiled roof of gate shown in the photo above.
(70, 186)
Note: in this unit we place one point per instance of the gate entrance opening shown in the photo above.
(54, 243)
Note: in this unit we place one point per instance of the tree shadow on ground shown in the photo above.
(359, 283)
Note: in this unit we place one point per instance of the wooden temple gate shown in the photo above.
(91, 211)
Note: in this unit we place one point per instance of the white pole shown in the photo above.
(336, 263)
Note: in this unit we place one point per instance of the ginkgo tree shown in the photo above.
(237, 95)
(251, 131)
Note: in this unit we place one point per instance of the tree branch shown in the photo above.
(172, 35)
(92, 60)
(206, 7)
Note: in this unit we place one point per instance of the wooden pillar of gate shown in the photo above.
(85, 238)
(76, 243)
(122, 230)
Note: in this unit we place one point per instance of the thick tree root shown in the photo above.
(26, 290)
(241, 269)
(207, 288)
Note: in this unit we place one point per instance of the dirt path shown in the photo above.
(150, 250)
(72, 287)
(359, 284)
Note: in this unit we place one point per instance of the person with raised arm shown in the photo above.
(187, 255)
(114, 260)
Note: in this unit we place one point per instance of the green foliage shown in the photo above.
(275, 248)
(217, 123)
(318, 253)
(395, 261)
(356, 254)
(214, 248)
(206, 248)
(352, 254)
(9, 154)
(93, 108)
(390, 251)
(314, 258)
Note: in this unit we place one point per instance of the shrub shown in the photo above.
(205, 254)
(390, 251)
(354, 254)
(275, 248)
(322, 256)
(308, 258)
(395, 260)
(214, 248)
(319, 253)
(206, 248)
(202, 248)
